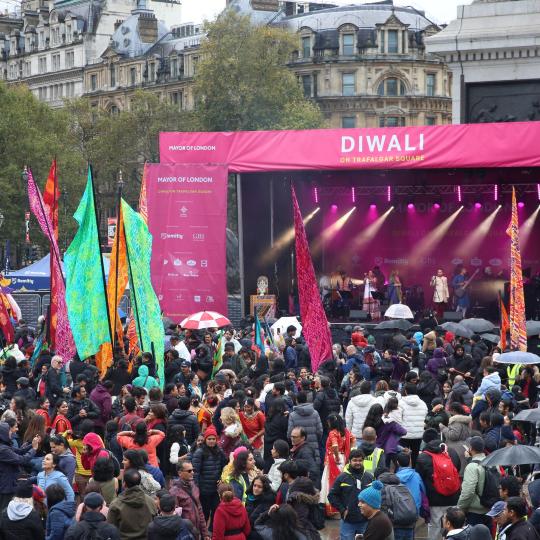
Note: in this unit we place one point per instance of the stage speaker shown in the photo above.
(359, 315)
(452, 316)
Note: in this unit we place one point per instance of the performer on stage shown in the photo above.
(395, 288)
(463, 300)
(441, 295)
(345, 287)
(372, 306)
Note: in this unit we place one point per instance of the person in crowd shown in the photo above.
(260, 497)
(231, 520)
(276, 427)
(232, 435)
(208, 462)
(103, 479)
(391, 430)
(412, 480)
(343, 495)
(306, 417)
(455, 526)
(509, 486)
(61, 512)
(142, 439)
(67, 463)
(101, 397)
(132, 511)
(414, 415)
(60, 423)
(280, 453)
(302, 451)
(280, 522)
(81, 408)
(358, 409)
(25, 391)
(304, 498)
(474, 479)
(144, 378)
(53, 386)
(187, 497)
(20, 520)
(167, 524)
(374, 460)
(240, 472)
(93, 523)
(253, 421)
(326, 402)
(51, 475)
(514, 523)
(133, 459)
(379, 526)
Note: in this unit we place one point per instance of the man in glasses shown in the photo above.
(187, 497)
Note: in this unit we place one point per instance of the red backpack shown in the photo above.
(445, 475)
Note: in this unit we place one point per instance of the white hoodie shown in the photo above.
(357, 410)
(414, 414)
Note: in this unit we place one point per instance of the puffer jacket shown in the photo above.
(495, 435)
(188, 421)
(11, 460)
(493, 380)
(461, 389)
(414, 414)
(307, 417)
(19, 521)
(326, 402)
(59, 519)
(303, 496)
(231, 521)
(187, 498)
(473, 484)
(357, 410)
(208, 464)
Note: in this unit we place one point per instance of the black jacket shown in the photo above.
(344, 493)
(119, 377)
(478, 352)
(92, 521)
(188, 421)
(28, 528)
(522, 530)
(53, 388)
(424, 467)
(11, 460)
(171, 369)
(167, 527)
(208, 465)
(75, 407)
(311, 458)
(326, 402)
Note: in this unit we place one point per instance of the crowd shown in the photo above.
(388, 434)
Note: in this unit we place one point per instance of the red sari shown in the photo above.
(332, 469)
(61, 424)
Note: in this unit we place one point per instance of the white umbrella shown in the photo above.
(399, 311)
(284, 323)
(518, 357)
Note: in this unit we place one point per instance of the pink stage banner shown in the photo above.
(187, 216)
(433, 147)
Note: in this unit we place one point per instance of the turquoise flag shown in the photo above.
(85, 294)
(144, 302)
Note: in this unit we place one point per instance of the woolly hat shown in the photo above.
(431, 434)
(438, 353)
(372, 495)
(24, 490)
(210, 432)
(94, 500)
(238, 450)
(371, 339)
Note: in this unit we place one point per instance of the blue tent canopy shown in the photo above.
(37, 276)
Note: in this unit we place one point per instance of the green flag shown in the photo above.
(144, 302)
(85, 293)
(218, 355)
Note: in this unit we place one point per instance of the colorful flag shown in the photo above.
(258, 339)
(5, 322)
(218, 355)
(85, 291)
(518, 330)
(50, 198)
(116, 286)
(144, 302)
(314, 321)
(61, 336)
(505, 323)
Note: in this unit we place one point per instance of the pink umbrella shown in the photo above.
(205, 319)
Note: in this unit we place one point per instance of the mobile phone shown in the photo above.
(359, 537)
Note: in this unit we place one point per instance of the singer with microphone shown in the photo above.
(439, 282)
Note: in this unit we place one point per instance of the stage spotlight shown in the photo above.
(459, 198)
(477, 205)
(436, 206)
(495, 192)
(389, 193)
(316, 195)
(285, 239)
(331, 231)
(333, 208)
(410, 206)
(369, 233)
(527, 227)
(353, 195)
(478, 235)
(373, 206)
(521, 204)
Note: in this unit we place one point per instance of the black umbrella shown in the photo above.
(398, 324)
(457, 328)
(518, 454)
(477, 326)
(528, 415)
(492, 338)
(533, 328)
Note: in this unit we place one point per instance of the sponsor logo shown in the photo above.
(182, 148)
(160, 297)
(172, 274)
(210, 299)
(378, 260)
(457, 260)
(495, 262)
(191, 273)
(177, 262)
(204, 263)
(167, 236)
(381, 143)
(476, 261)
(191, 262)
(199, 237)
(179, 297)
(183, 212)
(197, 299)
(165, 262)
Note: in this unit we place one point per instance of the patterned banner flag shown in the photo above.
(314, 321)
(518, 330)
(85, 292)
(50, 198)
(63, 336)
(5, 322)
(505, 323)
(146, 310)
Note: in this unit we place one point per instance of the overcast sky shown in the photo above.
(440, 11)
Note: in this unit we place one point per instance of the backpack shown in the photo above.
(400, 505)
(91, 532)
(184, 534)
(490, 493)
(316, 516)
(445, 475)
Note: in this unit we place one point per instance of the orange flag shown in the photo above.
(505, 323)
(50, 197)
(116, 286)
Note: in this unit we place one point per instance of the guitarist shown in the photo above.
(463, 301)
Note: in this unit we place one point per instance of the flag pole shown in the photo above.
(118, 213)
(99, 251)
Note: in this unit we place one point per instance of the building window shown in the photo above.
(431, 80)
(391, 87)
(112, 72)
(41, 40)
(68, 33)
(133, 76)
(114, 109)
(348, 122)
(393, 44)
(27, 69)
(348, 44)
(152, 71)
(55, 62)
(382, 34)
(431, 121)
(306, 47)
(347, 84)
(174, 67)
(70, 59)
(93, 82)
(42, 64)
(195, 64)
(392, 121)
(307, 85)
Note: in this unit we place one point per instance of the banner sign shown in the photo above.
(111, 231)
(187, 216)
(513, 144)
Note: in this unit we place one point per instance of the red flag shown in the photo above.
(314, 321)
(505, 323)
(5, 322)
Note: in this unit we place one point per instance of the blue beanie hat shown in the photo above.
(372, 495)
